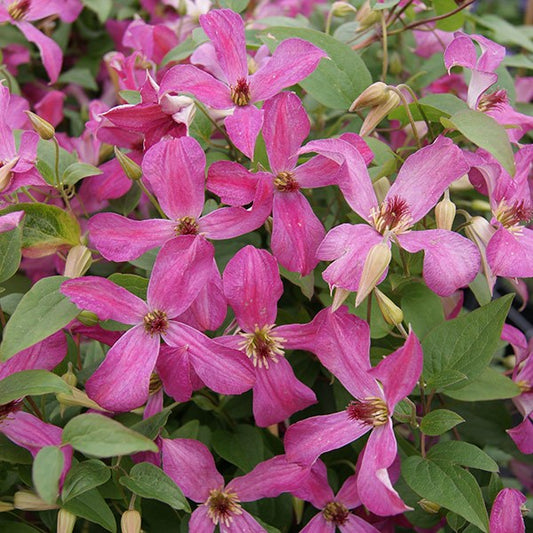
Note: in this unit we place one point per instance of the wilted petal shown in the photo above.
(450, 260)
(278, 394)
(511, 254)
(243, 127)
(119, 238)
(105, 298)
(506, 515)
(308, 439)
(122, 381)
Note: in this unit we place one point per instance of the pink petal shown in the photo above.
(348, 493)
(460, 52)
(492, 54)
(190, 464)
(430, 169)
(319, 171)
(355, 524)
(122, 381)
(222, 369)
(200, 522)
(523, 435)
(105, 298)
(374, 485)
(206, 57)
(225, 28)
(308, 439)
(253, 286)
(296, 232)
(278, 394)
(292, 61)
(318, 524)
(189, 79)
(242, 523)
(243, 127)
(234, 184)
(286, 126)
(181, 269)
(506, 515)
(51, 54)
(511, 254)
(10, 221)
(479, 82)
(50, 107)
(174, 369)
(119, 238)
(299, 336)
(315, 487)
(176, 171)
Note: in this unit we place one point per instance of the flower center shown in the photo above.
(240, 93)
(372, 411)
(155, 383)
(524, 385)
(393, 215)
(286, 182)
(493, 100)
(18, 9)
(186, 226)
(262, 346)
(155, 322)
(222, 505)
(510, 217)
(335, 512)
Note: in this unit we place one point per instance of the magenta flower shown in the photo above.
(342, 345)
(190, 464)
(293, 60)
(450, 260)
(253, 287)
(506, 513)
(121, 382)
(10, 221)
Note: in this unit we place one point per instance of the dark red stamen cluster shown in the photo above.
(240, 93)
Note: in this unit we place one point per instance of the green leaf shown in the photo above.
(102, 8)
(486, 133)
(92, 507)
(79, 76)
(127, 202)
(30, 383)
(83, 477)
(447, 485)
(97, 435)
(10, 243)
(415, 297)
(77, 171)
(180, 52)
(46, 472)
(337, 81)
(242, 447)
(11, 453)
(42, 311)
(149, 427)
(434, 107)
(235, 5)
(464, 345)
(149, 481)
(489, 385)
(135, 284)
(451, 23)
(439, 421)
(464, 454)
(306, 283)
(504, 32)
(131, 97)
(46, 157)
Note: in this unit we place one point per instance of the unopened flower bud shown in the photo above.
(6, 507)
(395, 64)
(392, 314)
(376, 263)
(339, 298)
(445, 213)
(378, 113)
(480, 231)
(65, 521)
(88, 318)
(77, 398)
(341, 9)
(130, 522)
(381, 188)
(69, 377)
(366, 16)
(45, 130)
(28, 501)
(374, 95)
(132, 170)
(429, 506)
(79, 260)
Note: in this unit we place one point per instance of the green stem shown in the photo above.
(384, 41)
(152, 198)
(420, 108)
(409, 114)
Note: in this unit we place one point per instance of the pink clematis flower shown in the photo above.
(122, 381)
(342, 345)
(506, 513)
(10, 221)
(253, 287)
(450, 260)
(190, 464)
(236, 90)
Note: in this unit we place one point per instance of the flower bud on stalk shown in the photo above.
(28, 501)
(132, 170)
(65, 521)
(45, 130)
(392, 314)
(366, 16)
(130, 522)
(79, 260)
(88, 318)
(445, 212)
(5, 507)
(341, 9)
(339, 298)
(376, 263)
(429, 506)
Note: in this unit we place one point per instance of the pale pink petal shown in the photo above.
(523, 435)
(278, 394)
(234, 184)
(181, 269)
(286, 126)
(206, 57)
(431, 169)
(122, 381)
(10, 221)
(374, 485)
(318, 524)
(299, 336)
(460, 52)
(308, 439)
(243, 127)
(450, 260)
(506, 513)
(315, 487)
(348, 494)
(319, 171)
(242, 523)
(50, 107)
(119, 238)
(176, 171)
(292, 61)
(222, 369)
(492, 53)
(517, 340)
(105, 298)
(511, 254)
(192, 467)
(479, 82)
(296, 232)
(356, 524)
(253, 286)
(174, 369)
(200, 522)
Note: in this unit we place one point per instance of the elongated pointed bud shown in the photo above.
(339, 298)
(429, 506)
(378, 113)
(88, 318)
(392, 314)
(79, 260)
(366, 16)
(45, 130)
(69, 377)
(341, 9)
(376, 263)
(65, 521)
(374, 95)
(298, 507)
(5, 507)
(29, 501)
(130, 522)
(480, 231)
(77, 398)
(445, 213)
(132, 170)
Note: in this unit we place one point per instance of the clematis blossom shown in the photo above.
(506, 513)
(236, 90)
(342, 344)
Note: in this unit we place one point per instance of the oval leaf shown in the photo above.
(464, 454)
(93, 507)
(490, 385)
(46, 472)
(30, 383)
(10, 243)
(77, 171)
(242, 447)
(84, 477)
(439, 421)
